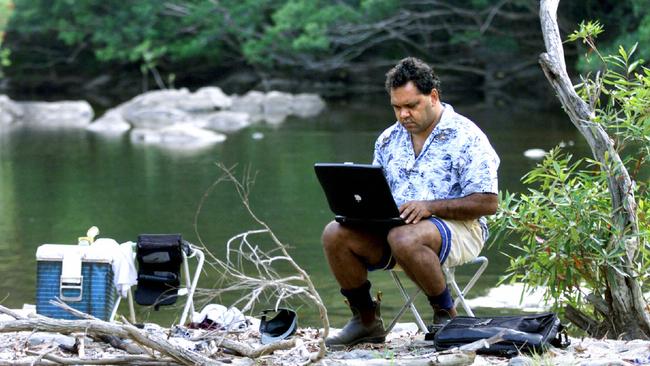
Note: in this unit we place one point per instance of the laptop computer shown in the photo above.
(358, 194)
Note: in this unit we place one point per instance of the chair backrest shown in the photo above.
(159, 258)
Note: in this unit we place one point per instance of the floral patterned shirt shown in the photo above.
(456, 160)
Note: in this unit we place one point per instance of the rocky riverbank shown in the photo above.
(172, 117)
(404, 346)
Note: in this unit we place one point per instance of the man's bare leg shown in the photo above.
(416, 247)
(349, 252)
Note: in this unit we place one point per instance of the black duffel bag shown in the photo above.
(520, 333)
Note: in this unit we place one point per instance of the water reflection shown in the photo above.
(55, 184)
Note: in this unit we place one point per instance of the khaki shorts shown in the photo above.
(462, 241)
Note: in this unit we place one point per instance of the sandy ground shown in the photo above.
(403, 344)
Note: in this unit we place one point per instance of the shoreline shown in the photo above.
(404, 346)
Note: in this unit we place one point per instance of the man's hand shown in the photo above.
(465, 208)
(414, 211)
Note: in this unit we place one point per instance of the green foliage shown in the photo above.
(563, 223)
(587, 32)
(181, 36)
(151, 33)
(6, 8)
(297, 26)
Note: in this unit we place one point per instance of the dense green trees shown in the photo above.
(6, 7)
(481, 44)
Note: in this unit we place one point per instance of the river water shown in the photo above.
(55, 184)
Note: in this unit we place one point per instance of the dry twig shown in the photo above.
(250, 270)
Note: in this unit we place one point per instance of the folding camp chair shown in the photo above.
(449, 273)
(159, 258)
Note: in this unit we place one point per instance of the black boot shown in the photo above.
(365, 326)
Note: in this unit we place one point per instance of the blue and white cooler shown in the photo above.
(81, 276)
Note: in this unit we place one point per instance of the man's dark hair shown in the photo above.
(415, 70)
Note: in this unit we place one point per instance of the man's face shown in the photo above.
(414, 110)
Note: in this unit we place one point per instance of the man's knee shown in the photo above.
(406, 239)
(333, 236)
(401, 242)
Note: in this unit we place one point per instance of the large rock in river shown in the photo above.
(10, 111)
(154, 116)
(251, 103)
(57, 114)
(180, 136)
(275, 106)
(225, 121)
(111, 123)
(307, 105)
(203, 100)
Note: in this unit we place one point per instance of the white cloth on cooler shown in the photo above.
(124, 273)
(71, 267)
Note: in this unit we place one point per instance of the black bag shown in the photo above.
(521, 333)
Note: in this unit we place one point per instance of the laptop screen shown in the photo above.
(357, 192)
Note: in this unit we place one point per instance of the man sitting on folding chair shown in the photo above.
(442, 172)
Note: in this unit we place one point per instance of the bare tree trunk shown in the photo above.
(627, 316)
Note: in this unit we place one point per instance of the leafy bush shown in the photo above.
(6, 8)
(564, 224)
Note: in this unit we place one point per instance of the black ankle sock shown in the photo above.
(442, 300)
(359, 297)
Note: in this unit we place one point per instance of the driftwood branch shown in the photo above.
(11, 313)
(115, 360)
(113, 340)
(250, 352)
(101, 328)
(250, 270)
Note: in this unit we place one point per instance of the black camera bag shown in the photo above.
(529, 333)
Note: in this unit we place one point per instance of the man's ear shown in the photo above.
(435, 97)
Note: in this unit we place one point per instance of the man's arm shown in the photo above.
(465, 208)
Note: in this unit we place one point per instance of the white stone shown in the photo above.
(50, 338)
(57, 114)
(307, 105)
(217, 97)
(163, 96)
(10, 111)
(226, 121)
(112, 123)
(154, 117)
(180, 136)
(251, 103)
(277, 106)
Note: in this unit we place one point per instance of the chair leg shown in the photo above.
(451, 281)
(460, 294)
(408, 304)
(131, 307)
(189, 304)
(115, 306)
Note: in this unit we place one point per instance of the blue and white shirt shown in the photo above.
(456, 160)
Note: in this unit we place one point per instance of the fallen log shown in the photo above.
(101, 328)
(114, 341)
(115, 360)
(250, 352)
